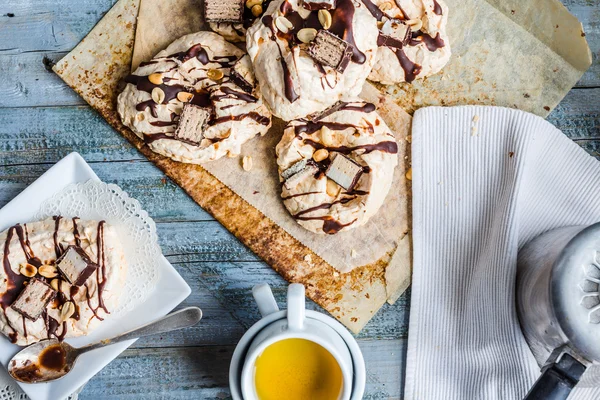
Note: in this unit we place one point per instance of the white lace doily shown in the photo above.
(9, 390)
(95, 200)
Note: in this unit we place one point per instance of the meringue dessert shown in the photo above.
(195, 101)
(308, 55)
(336, 167)
(413, 40)
(61, 278)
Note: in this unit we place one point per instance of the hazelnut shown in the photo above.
(28, 270)
(184, 97)
(48, 271)
(215, 74)
(158, 95)
(155, 78)
(320, 155)
(324, 18)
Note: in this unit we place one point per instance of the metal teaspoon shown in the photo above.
(50, 359)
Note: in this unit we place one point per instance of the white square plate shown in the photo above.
(170, 290)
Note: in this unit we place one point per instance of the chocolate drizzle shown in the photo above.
(252, 115)
(201, 98)
(101, 270)
(373, 9)
(311, 127)
(15, 281)
(388, 41)
(411, 69)
(323, 206)
(173, 121)
(437, 9)
(57, 248)
(432, 43)
(386, 147)
(76, 232)
(228, 93)
(341, 26)
(330, 225)
(298, 195)
(288, 83)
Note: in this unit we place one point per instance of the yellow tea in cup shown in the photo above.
(297, 369)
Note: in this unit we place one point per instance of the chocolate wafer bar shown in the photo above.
(75, 265)
(34, 298)
(193, 121)
(298, 172)
(328, 49)
(223, 10)
(344, 171)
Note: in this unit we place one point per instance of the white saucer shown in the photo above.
(235, 369)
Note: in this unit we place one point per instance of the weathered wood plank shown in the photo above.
(164, 200)
(578, 115)
(45, 27)
(46, 134)
(32, 83)
(588, 12)
(202, 373)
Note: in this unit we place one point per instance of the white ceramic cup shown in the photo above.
(295, 326)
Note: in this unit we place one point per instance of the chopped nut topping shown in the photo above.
(307, 35)
(158, 95)
(320, 155)
(325, 18)
(66, 311)
(156, 78)
(252, 3)
(283, 24)
(184, 97)
(247, 163)
(257, 10)
(48, 271)
(28, 270)
(215, 74)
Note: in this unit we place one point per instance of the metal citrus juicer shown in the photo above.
(558, 304)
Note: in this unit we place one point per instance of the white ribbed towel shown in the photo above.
(485, 181)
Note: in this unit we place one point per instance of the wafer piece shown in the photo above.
(242, 74)
(75, 265)
(315, 117)
(193, 121)
(33, 300)
(344, 171)
(396, 32)
(298, 172)
(319, 4)
(328, 49)
(223, 10)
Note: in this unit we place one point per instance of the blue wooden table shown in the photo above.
(42, 120)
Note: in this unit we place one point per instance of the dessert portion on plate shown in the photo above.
(195, 101)
(336, 167)
(61, 277)
(307, 55)
(412, 39)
